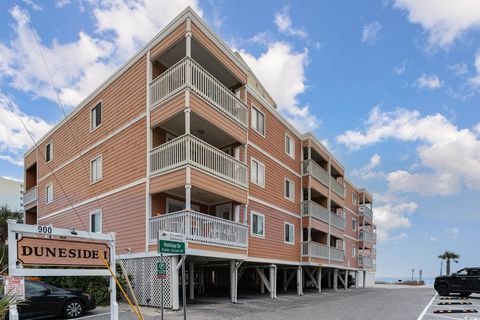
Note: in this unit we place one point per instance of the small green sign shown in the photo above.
(168, 246)
(161, 270)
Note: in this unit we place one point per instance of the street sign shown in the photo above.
(161, 270)
(172, 247)
(15, 286)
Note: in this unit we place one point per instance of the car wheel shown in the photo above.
(443, 290)
(72, 309)
(465, 294)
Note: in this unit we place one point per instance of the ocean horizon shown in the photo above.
(428, 280)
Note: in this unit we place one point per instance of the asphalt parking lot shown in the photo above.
(446, 308)
(380, 303)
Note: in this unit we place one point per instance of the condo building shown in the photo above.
(184, 139)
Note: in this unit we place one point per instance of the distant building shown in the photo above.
(11, 193)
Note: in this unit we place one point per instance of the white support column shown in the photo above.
(113, 284)
(188, 38)
(335, 279)
(187, 111)
(148, 200)
(234, 266)
(319, 279)
(201, 288)
(309, 234)
(346, 280)
(191, 280)
(273, 281)
(329, 205)
(174, 288)
(300, 281)
(364, 279)
(356, 279)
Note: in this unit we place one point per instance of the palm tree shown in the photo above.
(449, 256)
(5, 214)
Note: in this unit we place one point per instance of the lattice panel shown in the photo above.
(143, 274)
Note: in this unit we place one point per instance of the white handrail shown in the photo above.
(366, 236)
(311, 208)
(337, 187)
(365, 261)
(30, 195)
(201, 155)
(336, 254)
(315, 250)
(188, 73)
(199, 227)
(313, 168)
(337, 221)
(366, 211)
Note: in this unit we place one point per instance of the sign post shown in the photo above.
(169, 243)
(31, 256)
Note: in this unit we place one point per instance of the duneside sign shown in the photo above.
(52, 252)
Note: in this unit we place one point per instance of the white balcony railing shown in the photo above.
(318, 250)
(30, 196)
(366, 236)
(314, 169)
(365, 261)
(337, 221)
(337, 187)
(188, 149)
(199, 227)
(366, 211)
(311, 208)
(336, 254)
(188, 73)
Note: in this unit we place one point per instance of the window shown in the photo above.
(96, 169)
(289, 190)
(174, 205)
(257, 224)
(96, 221)
(354, 225)
(257, 172)
(289, 146)
(48, 152)
(96, 116)
(49, 193)
(289, 233)
(354, 252)
(258, 121)
(354, 198)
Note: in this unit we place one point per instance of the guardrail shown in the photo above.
(318, 250)
(199, 227)
(366, 211)
(188, 149)
(311, 167)
(188, 73)
(311, 208)
(366, 236)
(336, 254)
(365, 261)
(337, 221)
(30, 196)
(337, 187)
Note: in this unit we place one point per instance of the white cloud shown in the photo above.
(62, 3)
(449, 156)
(429, 82)
(444, 20)
(284, 24)
(391, 213)
(370, 32)
(367, 171)
(12, 178)
(281, 70)
(453, 232)
(401, 69)
(475, 80)
(14, 139)
(33, 5)
(432, 239)
(458, 69)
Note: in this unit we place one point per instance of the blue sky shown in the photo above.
(392, 87)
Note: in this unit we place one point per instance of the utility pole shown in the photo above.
(441, 267)
(413, 271)
(419, 275)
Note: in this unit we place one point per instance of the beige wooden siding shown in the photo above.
(176, 35)
(167, 181)
(212, 184)
(30, 159)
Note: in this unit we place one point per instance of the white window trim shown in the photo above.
(181, 203)
(354, 251)
(101, 171)
(293, 233)
(264, 134)
(354, 197)
(251, 224)
(97, 211)
(356, 224)
(252, 159)
(292, 198)
(292, 146)
(51, 152)
(101, 117)
(46, 193)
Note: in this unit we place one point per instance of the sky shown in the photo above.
(392, 87)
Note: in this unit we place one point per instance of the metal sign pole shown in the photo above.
(184, 289)
(161, 291)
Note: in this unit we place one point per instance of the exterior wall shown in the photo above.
(11, 193)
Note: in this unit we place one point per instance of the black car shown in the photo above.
(42, 300)
(465, 282)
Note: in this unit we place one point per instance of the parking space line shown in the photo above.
(420, 317)
(99, 314)
(441, 316)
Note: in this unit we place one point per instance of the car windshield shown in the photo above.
(462, 272)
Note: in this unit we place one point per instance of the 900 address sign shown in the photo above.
(45, 229)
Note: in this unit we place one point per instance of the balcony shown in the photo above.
(366, 236)
(365, 261)
(189, 74)
(337, 221)
(318, 250)
(366, 211)
(313, 209)
(30, 196)
(200, 228)
(311, 167)
(338, 188)
(190, 150)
